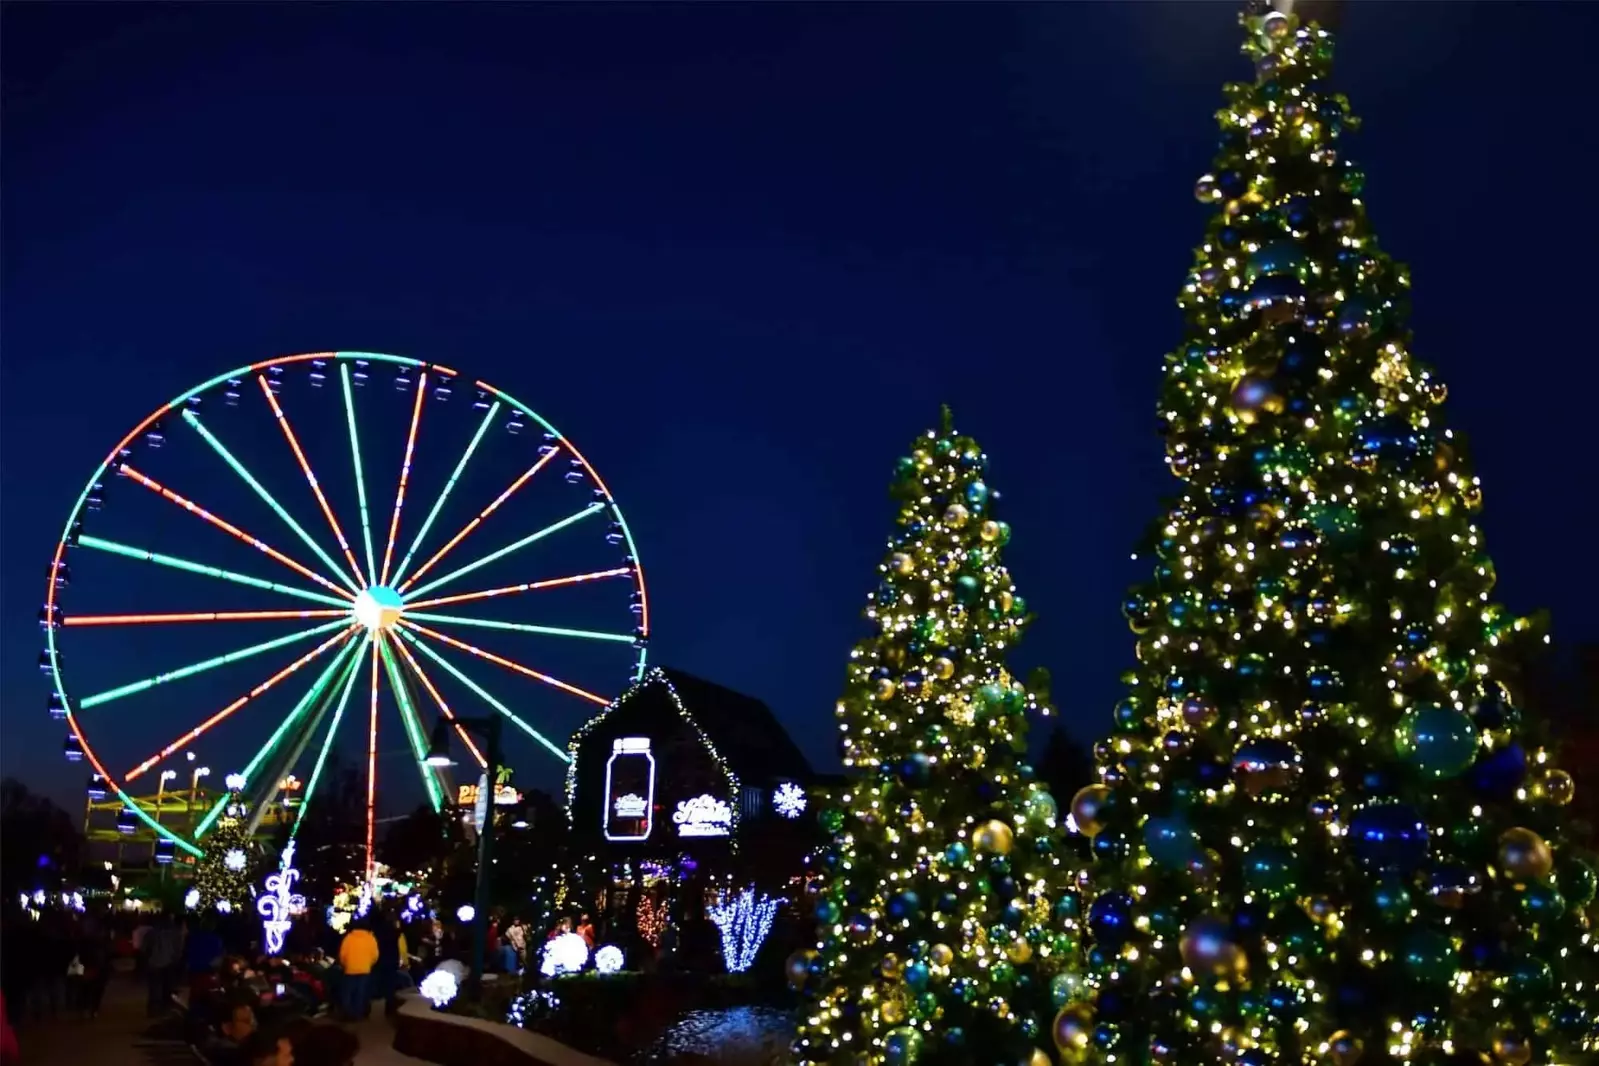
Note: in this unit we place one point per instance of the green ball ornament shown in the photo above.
(1041, 807)
(902, 1045)
(1429, 957)
(1577, 880)
(1271, 869)
(1528, 978)
(967, 589)
(832, 819)
(1539, 902)
(1065, 988)
(1391, 900)
(1439, 742)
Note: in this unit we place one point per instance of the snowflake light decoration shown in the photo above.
(235, 859)
(789, 800)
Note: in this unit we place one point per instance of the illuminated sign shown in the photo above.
(630, 806)
(630, 768)
(504, 795)
(703, 816)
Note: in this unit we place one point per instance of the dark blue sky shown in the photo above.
(740, 254)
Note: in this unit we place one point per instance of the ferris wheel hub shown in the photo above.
(378, 608)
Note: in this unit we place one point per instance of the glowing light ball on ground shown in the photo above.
(567, 953)
(466, 912)
(191, 898)
(440, 987)
(608, 959)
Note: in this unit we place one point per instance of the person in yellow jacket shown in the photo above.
(358, 953)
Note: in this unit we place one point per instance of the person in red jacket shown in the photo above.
(8, 1037)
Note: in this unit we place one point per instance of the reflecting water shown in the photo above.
(745, 1036)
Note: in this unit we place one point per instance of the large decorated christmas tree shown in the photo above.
(941, 917)
(1325, 831)
(222, 876)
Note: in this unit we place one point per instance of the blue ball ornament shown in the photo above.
(1439, 742)
(901, 1046)
(957, 854)
(904, 906)
(977, 495)
(1110, 919)
(1498, 774)
(1388, 836)
(827, 912)
(917, 974)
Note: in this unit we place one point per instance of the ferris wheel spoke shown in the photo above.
(197, 616)
(444, 708)
(516, 545)
(193, 734)
(523, 627)
(405, 474)
(490, 509)
(316, 486)
(529, 586)
(347, 686)
(483, 695)
(255, 542)
(509, 664)
(449, 486)
(260, 490)
(282, 763)
(413, 726)
(360, 478)
(200, 667)
(160, 559)
(289, 720)
(372, 766)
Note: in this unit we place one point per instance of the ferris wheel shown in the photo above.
(457, 556)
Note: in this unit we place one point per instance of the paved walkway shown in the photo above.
(116, 1037)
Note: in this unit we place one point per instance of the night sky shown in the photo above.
(739, 254)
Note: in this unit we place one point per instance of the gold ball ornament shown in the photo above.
(1072, 1029)
(956, 515)
(989, 531)
(1019, 951)
(1005, 600)
(901, 563)
(798, 968)
(892, 1010)
(1345, 1048)
(993, 837)
(1321, 908)
(943, 668)
(941, 954)
(1038, 1058)
(1512, 1048)
(884, 689)
(1207, 946)
(1088, 809)
(1524, 856)
(1558, 787)
(891, 967)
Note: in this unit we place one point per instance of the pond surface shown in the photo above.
(745, 1036)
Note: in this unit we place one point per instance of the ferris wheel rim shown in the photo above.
(347, 638)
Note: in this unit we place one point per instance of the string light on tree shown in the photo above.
(1324, 831)
(944, 912)
(743, 920)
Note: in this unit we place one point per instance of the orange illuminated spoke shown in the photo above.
(193, 734)
(405, 475)
(316, 486)
(189, 505)
(444, 708)
(531, 586)
(196, 616)
(470, 526)
(507, 663)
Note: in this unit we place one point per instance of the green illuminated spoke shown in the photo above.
(277, 736)
(593, 508)
(524, 627)
(327, 741)
(260, 490)
(438, 504)
(128, 551)
(413, 726)
(360, 479)
(483, 695)
(200, 667)
(281, 766)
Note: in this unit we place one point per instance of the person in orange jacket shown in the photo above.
(358, 953)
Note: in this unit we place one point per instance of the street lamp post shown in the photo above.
(194, 786)
(439, 755)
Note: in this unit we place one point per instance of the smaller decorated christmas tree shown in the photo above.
(222, 876)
